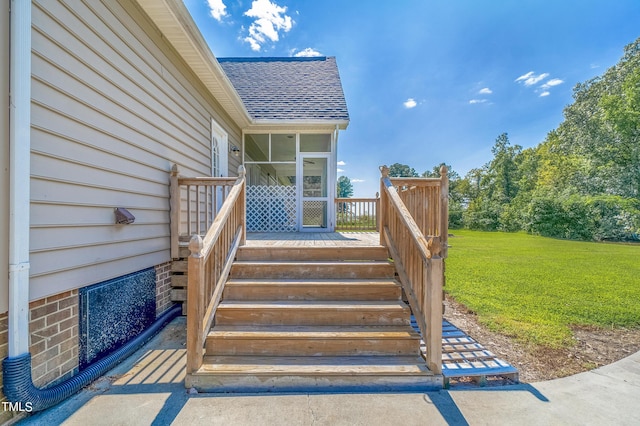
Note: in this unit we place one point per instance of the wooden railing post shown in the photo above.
(195, 304)
(433, 303)
(174, 212)
(384, 202)
(444, 211)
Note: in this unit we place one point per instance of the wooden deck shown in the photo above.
(313, 239)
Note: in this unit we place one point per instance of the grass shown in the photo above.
(535, 288)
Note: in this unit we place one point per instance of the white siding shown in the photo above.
(4, 156)
(113, 108)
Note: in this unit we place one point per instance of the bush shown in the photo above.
(482, 215)
(576, 217)
(615, 218)
(544, 217)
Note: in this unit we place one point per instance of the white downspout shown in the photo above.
(19, 175)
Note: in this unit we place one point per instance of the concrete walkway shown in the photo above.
(147, 389)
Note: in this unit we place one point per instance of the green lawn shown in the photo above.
(534, 288)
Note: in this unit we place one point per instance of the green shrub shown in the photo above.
(576, 217)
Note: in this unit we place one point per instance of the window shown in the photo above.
(315, 143)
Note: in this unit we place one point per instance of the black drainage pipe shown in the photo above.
(18, 384)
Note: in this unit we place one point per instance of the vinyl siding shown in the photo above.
(4, 157)
(113, 107)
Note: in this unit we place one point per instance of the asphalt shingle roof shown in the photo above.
(288, 88)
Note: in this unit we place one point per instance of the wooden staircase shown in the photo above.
(312, 319)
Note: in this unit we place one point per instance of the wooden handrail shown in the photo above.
(403, 181)
(195, 203)
(356, 214)
(206, 180)
(407, 220)
(208, 268)
(419, 259)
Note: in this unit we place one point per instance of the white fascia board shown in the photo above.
(297, 124)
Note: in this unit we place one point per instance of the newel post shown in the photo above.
(384, 203)
(444, 211)
(195, 304)
(433, 306)
(174, 212)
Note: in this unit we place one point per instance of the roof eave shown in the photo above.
(342, 124)
(176, 24)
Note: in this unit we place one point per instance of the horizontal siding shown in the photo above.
(53, 214)
(113, 108)
(88, 273)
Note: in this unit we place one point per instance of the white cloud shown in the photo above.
(525, 76)
(477, 101)
(530, 78)
(545, 93)
(270, 19)
(340, 171)
(307, 53)
(357, 180)
(341, 163)
(217, 9)
(551, 83)
(485, 91)
(410, 103)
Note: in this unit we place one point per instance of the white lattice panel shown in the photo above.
(315, 213)
(271, 208)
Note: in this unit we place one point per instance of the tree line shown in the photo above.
(582, 182)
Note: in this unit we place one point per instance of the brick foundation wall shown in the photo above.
(163, 288)
(54, 334)
(53, 328)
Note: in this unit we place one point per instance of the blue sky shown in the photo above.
(434, 81)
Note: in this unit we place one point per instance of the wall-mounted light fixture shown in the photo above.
(124, 216)
(234, 149)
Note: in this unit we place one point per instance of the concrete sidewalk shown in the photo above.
(148, 389)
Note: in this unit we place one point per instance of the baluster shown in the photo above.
(188, 209)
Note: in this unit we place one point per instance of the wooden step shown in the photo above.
(312, 253)
(313, 374)
(179, 265)
(179, 281)
(313, 270)
(313, 313)
(313, 341)
(372, 289)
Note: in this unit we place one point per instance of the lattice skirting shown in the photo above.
(271, 208)
(315, 213)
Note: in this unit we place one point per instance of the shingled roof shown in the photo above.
(288, 88)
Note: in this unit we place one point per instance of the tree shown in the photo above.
(402, 170)
(503, 170)
(345, 187)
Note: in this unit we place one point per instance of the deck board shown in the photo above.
(313, 239)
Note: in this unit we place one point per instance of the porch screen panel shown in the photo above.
(271, 208)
